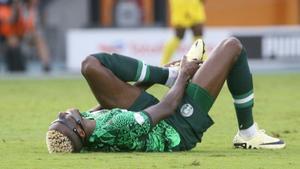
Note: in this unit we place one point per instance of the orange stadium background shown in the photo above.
(257, 12)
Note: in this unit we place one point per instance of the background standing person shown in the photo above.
(32, 32)
(10, 33)
(18, 27)
(184, 15)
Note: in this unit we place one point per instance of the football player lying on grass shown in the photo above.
(130, 119)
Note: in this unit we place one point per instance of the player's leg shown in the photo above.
(107, 76)
(172, 45)
(213, 73)
(228, 61)
(43, 51)
(129, 69)
(197, 30)
(198, 18)
(109, 90)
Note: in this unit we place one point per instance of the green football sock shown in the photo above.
(128, 69)
(240, 85)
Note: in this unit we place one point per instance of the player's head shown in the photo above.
(66, 134)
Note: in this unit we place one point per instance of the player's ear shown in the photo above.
(81, 133)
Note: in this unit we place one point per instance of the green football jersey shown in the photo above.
(123, 130)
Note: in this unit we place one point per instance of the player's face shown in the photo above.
(70, 118)
(67, 125)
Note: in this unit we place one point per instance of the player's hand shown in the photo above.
(188, 68)
(73, 110)
(173, 64)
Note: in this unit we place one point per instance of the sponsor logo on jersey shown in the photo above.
(186, 110)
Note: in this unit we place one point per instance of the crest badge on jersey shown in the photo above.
(186, 110)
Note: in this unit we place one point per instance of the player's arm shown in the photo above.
(169, 103)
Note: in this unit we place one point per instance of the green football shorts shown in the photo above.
(191, 119)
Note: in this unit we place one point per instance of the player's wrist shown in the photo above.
(183, 76)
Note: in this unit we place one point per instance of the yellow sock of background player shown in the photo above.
(169, 50)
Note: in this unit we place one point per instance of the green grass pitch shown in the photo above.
(27, 106)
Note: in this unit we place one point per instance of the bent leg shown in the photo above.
(229, 61)
(213, 73)
(109, 90)
(107, 74)
(129, 69)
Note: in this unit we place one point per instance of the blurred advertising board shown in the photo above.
(281, 43)
(144, 43)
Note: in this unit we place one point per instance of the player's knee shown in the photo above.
(233, 44)
(89, 65)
